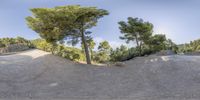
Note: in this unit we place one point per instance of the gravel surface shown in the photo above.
(35, 74)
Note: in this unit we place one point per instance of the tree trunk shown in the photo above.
(136, 38)
(91, 54)
(87, 55)
(140, 48)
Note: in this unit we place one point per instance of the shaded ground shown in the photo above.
(35, 74)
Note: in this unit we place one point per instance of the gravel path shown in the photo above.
(35, 74)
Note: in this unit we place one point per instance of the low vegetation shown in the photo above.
(5, 42)
(193, 46)
(104, 54)
(71, 53)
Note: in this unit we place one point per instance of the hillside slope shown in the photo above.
(36, 74)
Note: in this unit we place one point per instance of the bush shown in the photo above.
(4, 42)
(70, 53)
(123, 53)
(101, 57)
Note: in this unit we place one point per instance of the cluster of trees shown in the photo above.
(4, 42)
(71, 24)
(100, 56)
(103, 53)
(141, 32)
(193, 46)
(123, 53)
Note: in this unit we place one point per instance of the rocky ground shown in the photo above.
(35, 74)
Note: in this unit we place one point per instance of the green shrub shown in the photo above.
(4, 42)
(122, 53)
(70, 53)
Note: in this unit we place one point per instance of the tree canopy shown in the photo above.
(104, 52)
(71, 24)
(65, 22)
(137, 30)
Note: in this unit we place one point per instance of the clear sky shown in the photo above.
(178, 19)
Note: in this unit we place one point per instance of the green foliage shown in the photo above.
(71, 53)
(4, 42)
(157, 42)
(42, 45)
(8, 41)
(123, 53)
(141, 32)
(136, 30)
(147, 50)
(103, 53)
(193, 46)
(104, 46)
(170, 45)
(65, 22)
(101, 57)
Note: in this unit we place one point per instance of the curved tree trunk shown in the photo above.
(85, 47)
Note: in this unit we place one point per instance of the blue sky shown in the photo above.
(178, 19)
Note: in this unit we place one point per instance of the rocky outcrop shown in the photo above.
(165, 53)
(13, 48)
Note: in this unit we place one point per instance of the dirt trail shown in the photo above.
(35, 74)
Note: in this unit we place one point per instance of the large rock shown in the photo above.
(165, 53)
